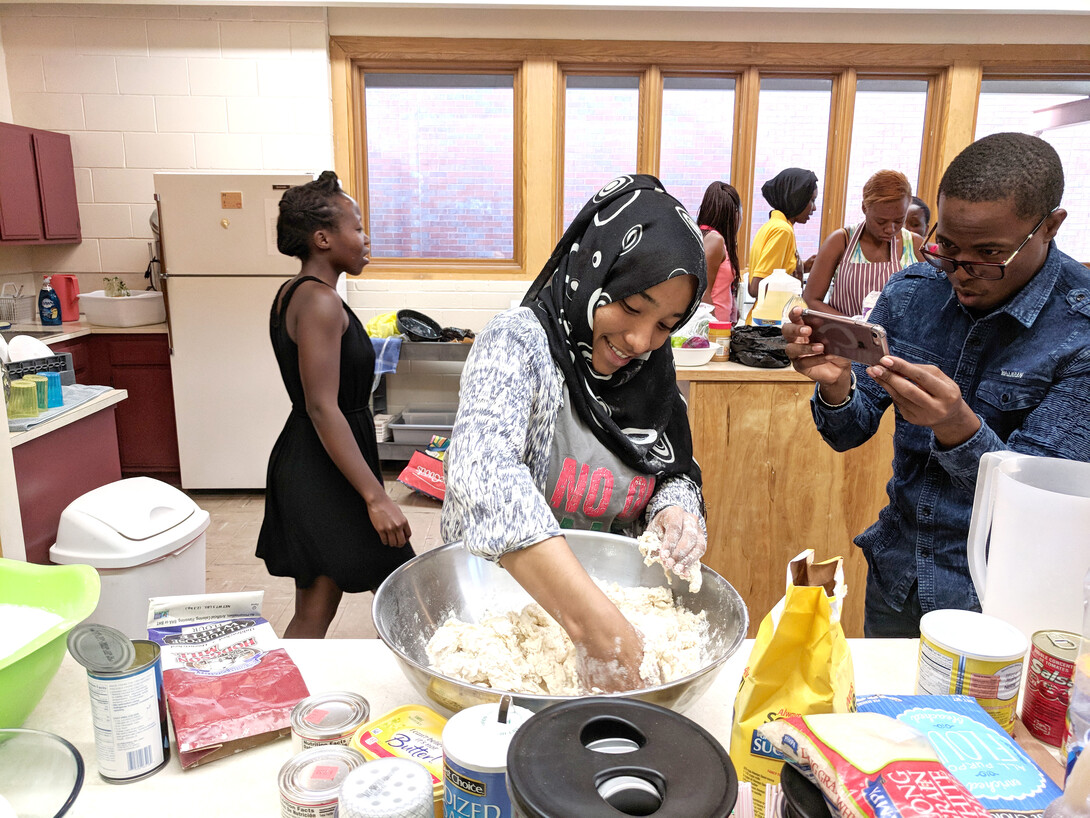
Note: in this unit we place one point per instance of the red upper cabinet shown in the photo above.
(20, 202)
(57, 184)
(37, 187)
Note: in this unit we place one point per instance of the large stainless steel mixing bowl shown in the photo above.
(418, 597)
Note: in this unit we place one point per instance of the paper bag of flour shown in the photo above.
(229, 684)
(800, 665)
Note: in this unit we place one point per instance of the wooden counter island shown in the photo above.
(773, 487)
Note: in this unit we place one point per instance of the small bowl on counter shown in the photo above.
(694, 356)
(40, 773)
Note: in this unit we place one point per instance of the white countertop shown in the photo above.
(246, 784)
(77, 329)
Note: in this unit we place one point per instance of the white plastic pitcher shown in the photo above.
(773, 294)
(1029, 540)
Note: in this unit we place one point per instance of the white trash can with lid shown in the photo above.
(146, 539)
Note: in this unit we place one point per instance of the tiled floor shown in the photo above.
(232, 566)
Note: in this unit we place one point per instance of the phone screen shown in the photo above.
(850, 338)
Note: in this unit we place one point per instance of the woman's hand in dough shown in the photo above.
(683, 541)
(608, 657)
(389, 521)
(608, 649)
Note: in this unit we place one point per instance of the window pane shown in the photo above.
(601, 122)
(440, 165)
(887, 133)
(697, 136)
(1025, 106)
(792, 132)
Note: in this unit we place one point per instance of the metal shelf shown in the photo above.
(389, 450)
(419, 351)
(434, 351)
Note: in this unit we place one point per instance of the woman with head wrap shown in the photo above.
(570, 417)
(792, 193)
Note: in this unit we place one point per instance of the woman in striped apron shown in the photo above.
(856, 261)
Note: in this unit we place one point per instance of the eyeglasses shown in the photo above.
(988, 270)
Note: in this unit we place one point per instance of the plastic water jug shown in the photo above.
(1027, 546)
(774, 292)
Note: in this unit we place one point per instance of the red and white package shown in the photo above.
(871, 766)
(229, 684)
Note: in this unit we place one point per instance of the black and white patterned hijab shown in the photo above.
(629, 237)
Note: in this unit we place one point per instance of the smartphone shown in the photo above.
(851, 338)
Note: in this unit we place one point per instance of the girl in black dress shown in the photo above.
(328, 521)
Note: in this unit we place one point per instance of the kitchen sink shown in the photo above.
(8, 334)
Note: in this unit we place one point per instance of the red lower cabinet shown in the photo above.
(53, 470)
(146, 432)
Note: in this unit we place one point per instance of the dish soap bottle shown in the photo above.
(49, 306)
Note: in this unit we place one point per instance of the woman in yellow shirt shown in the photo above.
(792, 193)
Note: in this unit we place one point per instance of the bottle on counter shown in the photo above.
(1078, 710)
(719, 333)
(49, 306)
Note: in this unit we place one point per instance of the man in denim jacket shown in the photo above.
(989, 349)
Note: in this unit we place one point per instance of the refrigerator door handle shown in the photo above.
(163, 275)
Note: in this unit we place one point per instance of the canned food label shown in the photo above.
(125, 714)
(1048, 690)
(474, 794)
(994, 684)
(289, 809)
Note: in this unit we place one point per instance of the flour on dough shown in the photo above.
(528, 652)
(651, 548)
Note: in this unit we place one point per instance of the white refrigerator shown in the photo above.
(221, 271)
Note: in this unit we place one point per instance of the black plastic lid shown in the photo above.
(801, 797)
(101, 648)
(674, 768)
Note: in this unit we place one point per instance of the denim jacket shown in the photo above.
(1023, 368)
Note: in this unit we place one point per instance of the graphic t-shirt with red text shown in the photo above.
(589, 487)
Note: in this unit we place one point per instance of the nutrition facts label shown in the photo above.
(125, 711)
(994, 684)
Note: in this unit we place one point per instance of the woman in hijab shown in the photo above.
(570, 417)
(792, 194)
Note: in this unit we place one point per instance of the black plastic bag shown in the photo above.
(763, 347)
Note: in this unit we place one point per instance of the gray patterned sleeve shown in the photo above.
(497, 463)
(678, 490)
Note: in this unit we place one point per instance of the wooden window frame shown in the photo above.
(954, 73)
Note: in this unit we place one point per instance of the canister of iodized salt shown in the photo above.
(475, 743)
(974, 654)
(128, 710)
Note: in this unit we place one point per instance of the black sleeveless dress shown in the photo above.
(315, 522)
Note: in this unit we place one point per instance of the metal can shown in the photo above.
(1052, 657)
(328, 718)
(128, 709)
(310, 781)
(975, 654)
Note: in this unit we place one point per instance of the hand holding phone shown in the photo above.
(851, 338)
